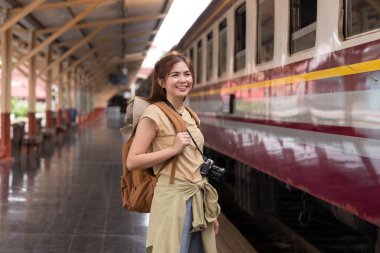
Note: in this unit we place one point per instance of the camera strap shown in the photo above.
(171, 106)
(203, 156)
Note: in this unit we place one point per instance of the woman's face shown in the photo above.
(179, 81)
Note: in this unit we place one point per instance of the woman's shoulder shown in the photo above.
(152, 108)
(163, 123)
(154, 112)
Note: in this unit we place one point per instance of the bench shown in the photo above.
(48, 132)
(230, 240)
(32, 142)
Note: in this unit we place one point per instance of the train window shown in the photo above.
(199, 61)
(191, 54)
(265, 31)
(222, 49)
(303, 17)
(209, 68)
(360, 16)
(240, 34)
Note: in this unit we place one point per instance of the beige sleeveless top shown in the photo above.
(190, 160)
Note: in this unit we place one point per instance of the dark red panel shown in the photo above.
(342, 179)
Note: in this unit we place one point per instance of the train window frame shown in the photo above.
(297, 30)
(345, 26)
(209, 55)
(222, 31)
(191, 53)
(240, 37)
(199, 64)
(259, 60)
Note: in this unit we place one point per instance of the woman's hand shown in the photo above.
(180, 142)
(216, 227)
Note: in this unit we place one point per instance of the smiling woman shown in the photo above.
(180, 186)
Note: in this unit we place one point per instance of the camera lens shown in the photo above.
(217, 173)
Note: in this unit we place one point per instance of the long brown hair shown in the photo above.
(162, 70)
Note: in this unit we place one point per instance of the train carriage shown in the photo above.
(291, 88)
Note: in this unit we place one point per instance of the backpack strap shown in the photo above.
(193, 115)
(179, 126)
(175, 119)
(124, 153)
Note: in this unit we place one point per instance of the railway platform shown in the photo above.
(288, 104)
(66, 198)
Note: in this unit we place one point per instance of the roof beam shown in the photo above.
(127, 59)
(51, 6)
(58, 33)
(79, 61)
(108, 38)
(111, 63)
(20, 15)
(74, 48)
(105, 22)
(130, 35)
(132, 45)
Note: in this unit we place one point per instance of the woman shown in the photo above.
(183, 216)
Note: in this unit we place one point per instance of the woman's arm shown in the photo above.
(216, 227)
(138, 158)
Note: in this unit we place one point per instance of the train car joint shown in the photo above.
(377, 246)
(305, 214)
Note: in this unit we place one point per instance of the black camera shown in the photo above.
(209, 169)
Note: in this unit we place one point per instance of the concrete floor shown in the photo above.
(65, 197)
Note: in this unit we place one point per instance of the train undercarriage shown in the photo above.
(260, 204)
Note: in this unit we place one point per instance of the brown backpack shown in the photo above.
(137, 186)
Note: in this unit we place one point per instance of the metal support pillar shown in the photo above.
(32, 125)
(49, 118)
(59, 99)
(5, 99)
(68, 97)
(75, 92)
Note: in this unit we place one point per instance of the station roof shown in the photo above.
(109, 36)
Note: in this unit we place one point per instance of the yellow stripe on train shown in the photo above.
(316, 75)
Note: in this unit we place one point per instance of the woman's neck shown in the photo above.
(177, 103)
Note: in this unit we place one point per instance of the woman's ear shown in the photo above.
(161, 83)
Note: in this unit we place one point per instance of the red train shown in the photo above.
(291, 88)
